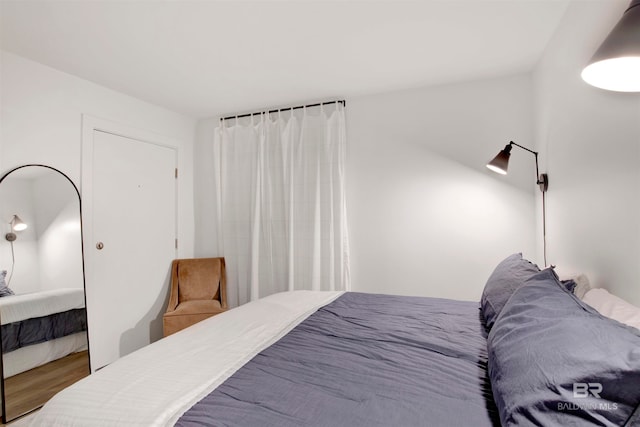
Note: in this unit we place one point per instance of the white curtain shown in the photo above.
(281, 211)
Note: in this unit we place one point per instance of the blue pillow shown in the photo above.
(553, 360)
(508, 276)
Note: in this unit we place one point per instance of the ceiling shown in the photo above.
(210, 58)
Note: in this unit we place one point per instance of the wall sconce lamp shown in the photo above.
(16, 225)
(500, 164)
(616, 64)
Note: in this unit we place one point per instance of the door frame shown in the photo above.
(90, 124)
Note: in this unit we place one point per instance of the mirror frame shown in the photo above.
(6, 420)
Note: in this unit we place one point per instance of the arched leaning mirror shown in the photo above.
(43, 320)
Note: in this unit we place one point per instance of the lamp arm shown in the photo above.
(524, 148)
(535, 153)
(541, 180)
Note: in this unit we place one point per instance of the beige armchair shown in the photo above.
(198, 291)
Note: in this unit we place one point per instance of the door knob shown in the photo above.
(99, 246)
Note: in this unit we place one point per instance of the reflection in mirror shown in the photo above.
(42, 304)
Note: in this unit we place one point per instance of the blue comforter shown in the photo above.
(364, 360)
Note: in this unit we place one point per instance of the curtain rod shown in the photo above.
(342, 101)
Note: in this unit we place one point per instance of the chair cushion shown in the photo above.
(198, 279)
(172, 323)
(196, 307)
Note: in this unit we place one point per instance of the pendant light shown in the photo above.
(616, 64)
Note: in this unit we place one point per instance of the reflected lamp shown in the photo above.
(17, 224)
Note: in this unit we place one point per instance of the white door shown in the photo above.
(131, 198)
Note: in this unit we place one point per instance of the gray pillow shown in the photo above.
(4, 289)
(508, 276)
(553, 360)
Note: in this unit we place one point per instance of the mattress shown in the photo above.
(15, 308)
(298, 354)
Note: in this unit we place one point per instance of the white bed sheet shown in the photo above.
(25, 358)
(155, 385)
(38, 304)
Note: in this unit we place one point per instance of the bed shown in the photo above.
(307, 358)
(40, 327)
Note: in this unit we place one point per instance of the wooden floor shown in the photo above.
(33, 388)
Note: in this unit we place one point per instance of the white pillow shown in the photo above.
(613, 307)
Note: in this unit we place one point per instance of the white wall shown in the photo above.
(57, 211)
(16, 197)
(206, 242)
(41, 112)
(41, 122)
(590, 141)
(426, 217)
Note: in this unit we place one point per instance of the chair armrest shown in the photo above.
(223, 284)
(173, 292)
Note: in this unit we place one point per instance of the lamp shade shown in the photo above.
(616, 64)
(500, 163)
(17, 224)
